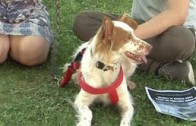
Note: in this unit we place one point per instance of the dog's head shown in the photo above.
(118, 36)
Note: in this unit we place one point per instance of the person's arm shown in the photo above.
(174, 15)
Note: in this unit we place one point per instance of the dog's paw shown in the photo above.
(83, 124)
(125, 124)
(131, 85)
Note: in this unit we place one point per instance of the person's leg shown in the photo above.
(31, 37)
(29, 50)
(87, 23)
(170, 53)
(177, 43)
(4, 47)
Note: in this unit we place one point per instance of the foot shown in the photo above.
(178, 70)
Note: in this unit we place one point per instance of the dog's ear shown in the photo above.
(108, 27)
(104, 37)
(128, 20)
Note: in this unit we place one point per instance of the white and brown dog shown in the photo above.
(110, 58)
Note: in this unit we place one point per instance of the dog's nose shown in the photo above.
(146, 46)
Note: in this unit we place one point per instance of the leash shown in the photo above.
(111, 90)
(53, 69)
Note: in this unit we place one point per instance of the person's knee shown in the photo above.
(187, 42)
(3, 55)
(80, 16)
(31, 52)
(31, 57)
(86, 24)
(177, 43)
(181, 41)
(79, 25)
(79, 20)
(4, 48)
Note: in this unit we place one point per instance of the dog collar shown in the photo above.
(103, 67)
(111, 90)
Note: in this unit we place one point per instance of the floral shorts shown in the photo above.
(25, 17)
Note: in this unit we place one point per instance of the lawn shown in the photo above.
(28, 96)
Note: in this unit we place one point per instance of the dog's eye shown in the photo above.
(129, 36)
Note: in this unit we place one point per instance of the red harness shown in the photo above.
(71, 69)
(111, 90)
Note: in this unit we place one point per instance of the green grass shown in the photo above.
(28, 97)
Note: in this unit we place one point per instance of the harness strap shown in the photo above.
(71, 69)
(68, 74)
(113, 95)
(111, 90)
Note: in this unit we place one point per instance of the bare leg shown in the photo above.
(29, 50)
(4, 47)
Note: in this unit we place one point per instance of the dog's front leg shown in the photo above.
(82, 103)
(127, 116)
(84, 115)
(127, 110)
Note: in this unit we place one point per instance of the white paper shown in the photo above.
(181, 104)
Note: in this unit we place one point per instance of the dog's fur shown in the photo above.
(115, 45)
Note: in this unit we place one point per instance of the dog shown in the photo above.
(109, 59)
